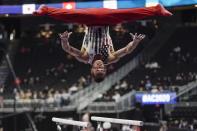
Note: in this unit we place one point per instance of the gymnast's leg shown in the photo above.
(140, 13)
(102, 16)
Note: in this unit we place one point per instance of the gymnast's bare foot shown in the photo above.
(163, 11)
(40, 10)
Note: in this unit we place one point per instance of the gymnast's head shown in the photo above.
(98, 70)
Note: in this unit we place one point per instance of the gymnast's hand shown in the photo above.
(64, 40)
(137, 38)
(133, 44)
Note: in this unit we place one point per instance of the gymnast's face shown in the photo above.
(98, 70)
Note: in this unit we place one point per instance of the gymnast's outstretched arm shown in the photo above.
(70, 49)
(127, 49)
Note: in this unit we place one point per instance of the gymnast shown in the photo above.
(102, 57)
(97, 47)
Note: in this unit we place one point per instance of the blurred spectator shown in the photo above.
(86, 118)
(28, 94)
(13, 34)
(126, 128)
(57, 98)
(46, 32)
(107, 126)
(152, 65)
(154, 89)
(35, 95)
(124, 84)
(41, 95)
(73, 89)
(3, 32)
(117, 86)
(148, 85)
(1, 125)
(116, 96)
(53, 99)
(164, 126)
(65, 97)
(1, 95)
(82, 81)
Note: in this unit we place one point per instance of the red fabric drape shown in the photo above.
(103, 16)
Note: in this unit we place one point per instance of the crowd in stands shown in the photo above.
(187, 124)
(115, 92)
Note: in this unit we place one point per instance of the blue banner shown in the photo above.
(93, 4)
(156, 98)
(14, 9)
(131, 3)
(177, 2)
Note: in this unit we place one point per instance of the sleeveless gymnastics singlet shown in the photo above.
(97, 41)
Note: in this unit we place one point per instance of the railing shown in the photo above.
(182, 90)
(7, 59)
(125, 103)
(186, 88)
(35, 105)
(186, 104)
(31, 121)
